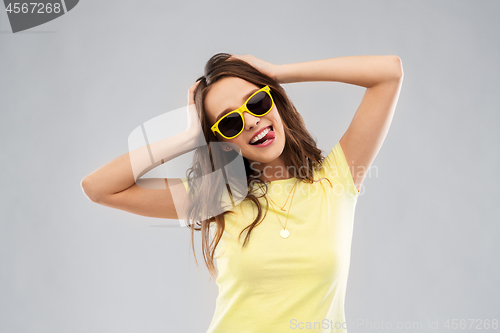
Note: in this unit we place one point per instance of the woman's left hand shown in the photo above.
(262, 66)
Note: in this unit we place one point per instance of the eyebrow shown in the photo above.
(232, 109)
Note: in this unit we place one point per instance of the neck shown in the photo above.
(271, 171)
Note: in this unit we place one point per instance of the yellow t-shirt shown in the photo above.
(276, 284)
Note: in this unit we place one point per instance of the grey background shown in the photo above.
(426, 227)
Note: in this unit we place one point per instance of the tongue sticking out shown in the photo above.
(269, 135)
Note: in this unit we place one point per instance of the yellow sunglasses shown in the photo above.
(232, 124)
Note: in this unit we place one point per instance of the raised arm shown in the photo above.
(117, 184)
(382, 76)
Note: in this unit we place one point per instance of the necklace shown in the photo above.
(282, 208)
(284, 233)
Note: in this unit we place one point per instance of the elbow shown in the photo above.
(86, 189)
(397, 67)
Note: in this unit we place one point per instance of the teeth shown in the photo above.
(261, 135)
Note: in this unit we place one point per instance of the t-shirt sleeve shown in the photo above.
(185, 183)
(336, 167)
(183, 222)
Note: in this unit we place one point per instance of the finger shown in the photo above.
(190, 99)
(191, 93)
(193, 87)
(235, 56)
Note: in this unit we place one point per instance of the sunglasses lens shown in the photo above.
(260, 103)
(231, 125)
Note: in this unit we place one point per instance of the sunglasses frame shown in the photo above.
(240, 110)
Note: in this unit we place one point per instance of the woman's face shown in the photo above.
(231, 93)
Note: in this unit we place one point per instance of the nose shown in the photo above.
(251, 121)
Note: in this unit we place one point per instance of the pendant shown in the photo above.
(284, 233)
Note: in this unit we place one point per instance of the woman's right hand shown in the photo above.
(194, 125)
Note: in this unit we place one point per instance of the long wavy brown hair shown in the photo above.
(300, 153)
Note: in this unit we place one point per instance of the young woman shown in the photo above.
(283, 244)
